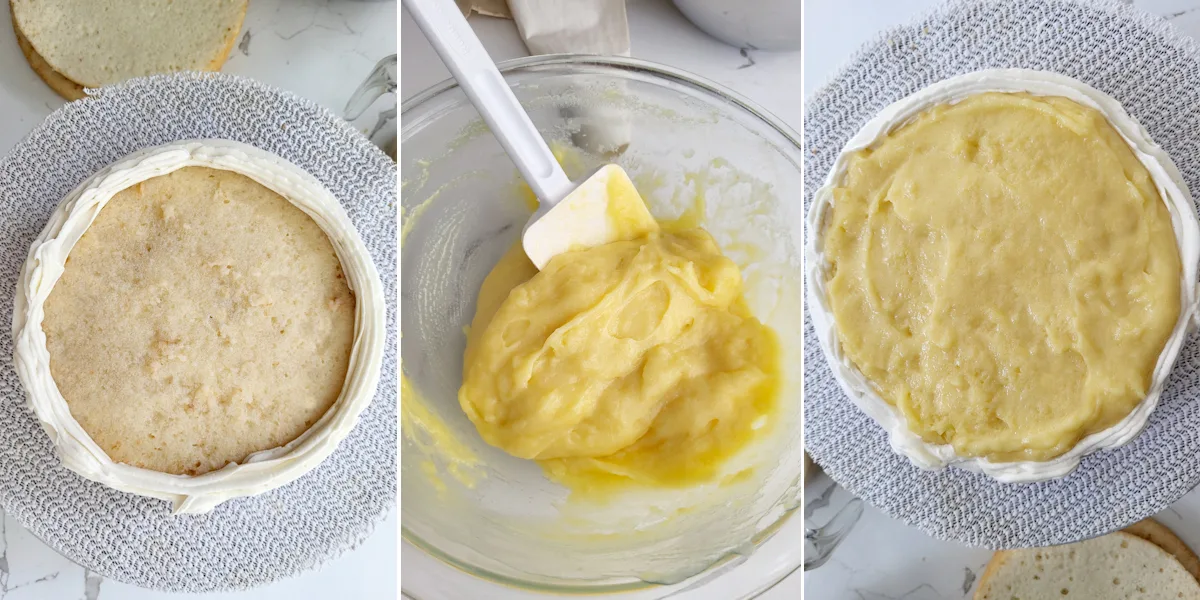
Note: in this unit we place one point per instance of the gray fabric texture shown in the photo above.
(1154, 71)
(245, 542)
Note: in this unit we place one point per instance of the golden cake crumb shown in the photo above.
(200, 319)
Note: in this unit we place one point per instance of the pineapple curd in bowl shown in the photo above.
(632, 363)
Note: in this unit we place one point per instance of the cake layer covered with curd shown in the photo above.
(1004, 272)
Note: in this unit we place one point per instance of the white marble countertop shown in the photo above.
(658, 33)
(321, 50)
(882, 558)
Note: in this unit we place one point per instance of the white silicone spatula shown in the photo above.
(604, 208)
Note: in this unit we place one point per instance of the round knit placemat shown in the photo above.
(247, 541)
(1154, 71)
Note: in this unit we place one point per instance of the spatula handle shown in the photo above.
(464, 55)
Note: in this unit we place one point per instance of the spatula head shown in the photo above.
(604, 208)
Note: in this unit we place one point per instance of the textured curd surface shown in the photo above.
(631, 363)
(200, 318)
(1004, 272)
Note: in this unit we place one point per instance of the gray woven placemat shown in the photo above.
(1154, 72)
(244, 542)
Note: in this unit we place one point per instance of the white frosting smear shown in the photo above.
(264, 470)
(1170, 186)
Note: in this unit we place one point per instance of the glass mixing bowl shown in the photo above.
(696, 152)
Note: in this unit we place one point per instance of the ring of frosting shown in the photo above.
(264, 470)
(1171, 188)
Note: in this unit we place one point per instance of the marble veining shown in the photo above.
(29, 569)
(745, 52)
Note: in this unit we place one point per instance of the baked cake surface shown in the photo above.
(201, 318)
(101, 42)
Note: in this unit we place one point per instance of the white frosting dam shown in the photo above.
(1170, 186)
(264, 470)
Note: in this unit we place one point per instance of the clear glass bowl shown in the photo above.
(692, 148)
